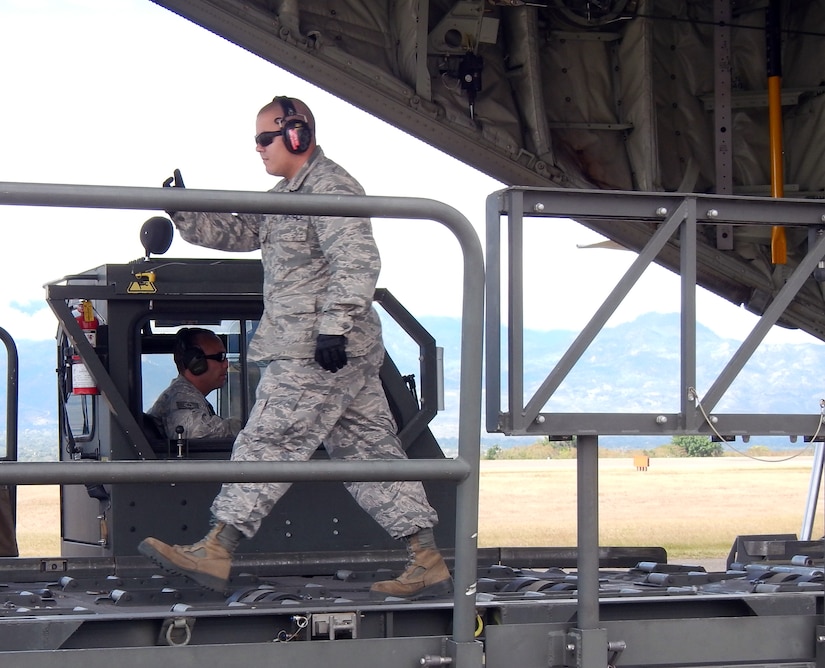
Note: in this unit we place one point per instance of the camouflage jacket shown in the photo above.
(319, 271)
(183, 404)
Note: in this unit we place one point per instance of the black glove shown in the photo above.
(331, 351)
(174, 181)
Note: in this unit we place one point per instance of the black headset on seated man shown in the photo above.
(297, 132)
(187, 353)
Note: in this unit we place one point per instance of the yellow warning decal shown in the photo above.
(143, 284)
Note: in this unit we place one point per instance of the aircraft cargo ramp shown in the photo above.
(97, 607)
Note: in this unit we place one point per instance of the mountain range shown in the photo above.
(632, 367)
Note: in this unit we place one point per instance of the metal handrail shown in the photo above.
(466, 464)
(12, 388)
(171, 471)
(12, 403)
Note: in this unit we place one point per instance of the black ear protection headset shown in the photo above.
(297, 133)
(188, 355)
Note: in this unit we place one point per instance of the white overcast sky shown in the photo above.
(120, 92)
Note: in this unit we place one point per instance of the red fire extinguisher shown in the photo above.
(82, 381)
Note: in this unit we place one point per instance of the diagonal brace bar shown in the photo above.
(602, 315)
(769, 317)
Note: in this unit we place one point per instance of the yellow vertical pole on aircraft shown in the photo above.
(779, 244)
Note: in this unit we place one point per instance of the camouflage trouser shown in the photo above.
(298, 405)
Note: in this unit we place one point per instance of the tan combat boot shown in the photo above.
(426, 576)
(207, 562)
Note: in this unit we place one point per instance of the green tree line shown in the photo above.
(692, 445)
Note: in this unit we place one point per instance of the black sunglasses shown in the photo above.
(218, 357)
(266, 138)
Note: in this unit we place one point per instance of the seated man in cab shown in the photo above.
(200, 358)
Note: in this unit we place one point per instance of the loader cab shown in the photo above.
(154, 370)
(139, 308)
(157, 369)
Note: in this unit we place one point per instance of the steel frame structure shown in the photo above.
(596, 627)
(676, 218)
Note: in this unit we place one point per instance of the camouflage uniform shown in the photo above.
(182, 404)
(319, 277)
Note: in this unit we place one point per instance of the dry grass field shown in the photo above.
(693, 507)
(38, 520)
